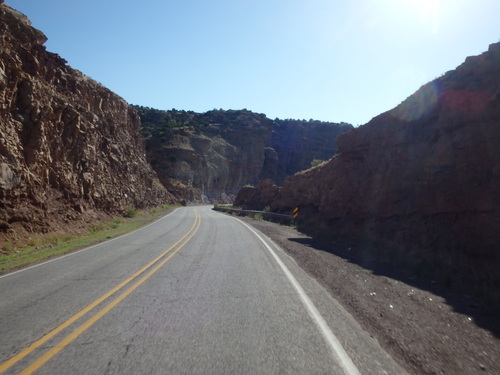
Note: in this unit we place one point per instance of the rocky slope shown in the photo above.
(418, 185)
(70, 149)
(212, 155)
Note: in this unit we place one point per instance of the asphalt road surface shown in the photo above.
(197, 292)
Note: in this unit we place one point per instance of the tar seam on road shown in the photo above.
(338, 350)
(91, 321)
(85, 249)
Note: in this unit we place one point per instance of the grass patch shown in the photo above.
(259, 217)
(42, 247)
(130, 212)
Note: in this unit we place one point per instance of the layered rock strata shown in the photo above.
(214, 154)
(69, 147)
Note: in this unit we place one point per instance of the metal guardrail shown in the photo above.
(252, 212)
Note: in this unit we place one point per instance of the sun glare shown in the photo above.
(429, 11)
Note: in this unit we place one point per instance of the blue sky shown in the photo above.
(330, 60)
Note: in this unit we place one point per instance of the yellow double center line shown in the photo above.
(153, 267)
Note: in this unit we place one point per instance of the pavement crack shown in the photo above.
(127, 348)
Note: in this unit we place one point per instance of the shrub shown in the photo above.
(129, 211)
(8, 247)
(316, 162)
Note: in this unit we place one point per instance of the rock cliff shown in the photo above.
(214, 154)
(418, 184)
(293, 145)
(70, 149)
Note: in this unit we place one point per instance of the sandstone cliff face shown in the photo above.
(422, 179)
(69, 147)
(215, 160)
(216, 153)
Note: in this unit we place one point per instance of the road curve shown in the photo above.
(197, 292)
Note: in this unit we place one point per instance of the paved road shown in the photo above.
(197, 292)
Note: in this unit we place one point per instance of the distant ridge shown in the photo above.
(214, 154)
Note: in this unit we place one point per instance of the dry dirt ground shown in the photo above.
(425, 327)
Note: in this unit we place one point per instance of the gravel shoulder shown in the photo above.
(427, 329)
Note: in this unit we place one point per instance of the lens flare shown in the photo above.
(419, 104)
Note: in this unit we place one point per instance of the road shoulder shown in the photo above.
(424, 327)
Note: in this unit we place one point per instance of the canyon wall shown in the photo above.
(210, 156)
(419, 184)
(70, 149)
(292, 146)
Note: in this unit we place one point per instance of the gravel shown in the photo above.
(424, 326)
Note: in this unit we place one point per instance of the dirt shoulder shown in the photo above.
(427, 329)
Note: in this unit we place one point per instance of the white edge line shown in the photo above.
(338, 350)
(86, 248)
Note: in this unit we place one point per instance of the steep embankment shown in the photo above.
(70, 149)
(213, 154)
(419, 184)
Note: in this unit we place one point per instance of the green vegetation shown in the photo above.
(46, 246)
(259, 217)
(130, 212)
(157, 124)
(290, 123)
(317, 162)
